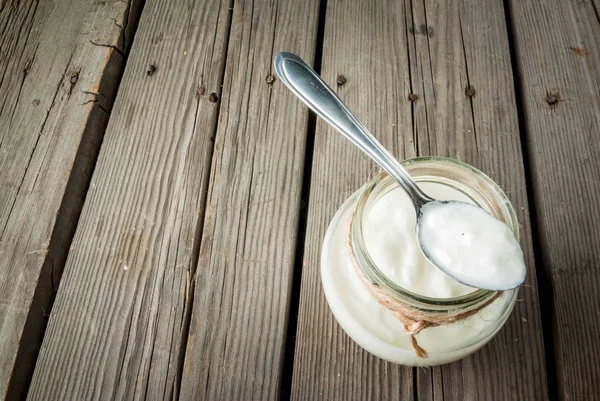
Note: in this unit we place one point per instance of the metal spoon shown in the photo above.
(304, 82)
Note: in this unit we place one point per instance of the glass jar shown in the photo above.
(360, 294)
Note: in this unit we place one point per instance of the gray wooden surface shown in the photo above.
(58, 77)
(558, 59)
(244, 274)
(448, 50)
(118, 326)
(194, 269)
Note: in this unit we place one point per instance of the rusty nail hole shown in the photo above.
(552, 98)
(270, 79)
(470, 91)
(151, 70)
(35, 102)
(200, 91)
(213, 97)
(413, 97)
(341, 80)
(74, 77)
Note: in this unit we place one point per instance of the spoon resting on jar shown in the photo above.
(460, 239)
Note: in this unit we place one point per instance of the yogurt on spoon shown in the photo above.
(470, 245)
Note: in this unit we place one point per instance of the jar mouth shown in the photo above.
(467, 179)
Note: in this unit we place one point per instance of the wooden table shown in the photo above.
(163, 197)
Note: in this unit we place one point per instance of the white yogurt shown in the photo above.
(471, 245)
(389, 234)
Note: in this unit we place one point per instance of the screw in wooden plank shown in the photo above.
(270, 79)
(151, 69)
(552, 98)
(470, 91)
(27, 67)
(341, 80)
(213, 98)
(73, 80)
(74, 77)
(413, 97)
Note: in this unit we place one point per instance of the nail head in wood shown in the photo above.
(341, 80)
(552, 98)
(270, 79)
(413, 97)
(200, 91)
(470, 91)
(213, 98)
(151, 70)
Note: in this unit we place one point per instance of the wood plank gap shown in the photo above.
(545, 290)
(596, 11)
(415, 136)
(469, 87)
(290, 342)
(410, 78)
(187, 318)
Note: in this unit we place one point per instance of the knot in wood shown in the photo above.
(213, 98)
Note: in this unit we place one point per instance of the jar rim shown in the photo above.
(380, 279)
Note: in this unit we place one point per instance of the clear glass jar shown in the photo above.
(344, 269)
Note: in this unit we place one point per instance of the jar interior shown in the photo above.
(469, 182)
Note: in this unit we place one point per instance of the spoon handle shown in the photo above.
(304, 82)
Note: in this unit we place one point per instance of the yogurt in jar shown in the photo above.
(389, 238)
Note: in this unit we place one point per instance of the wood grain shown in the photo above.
(59, 69)
(367, 44)
(435, 50)
(118, 325)
(244, 275)
(558, 58)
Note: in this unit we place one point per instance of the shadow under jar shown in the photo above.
(383, 292)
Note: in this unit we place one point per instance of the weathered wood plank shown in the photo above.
(119, 322)
(367, 44)
(56, 90)
(558, 59)
(434, 50)
(243, 284)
